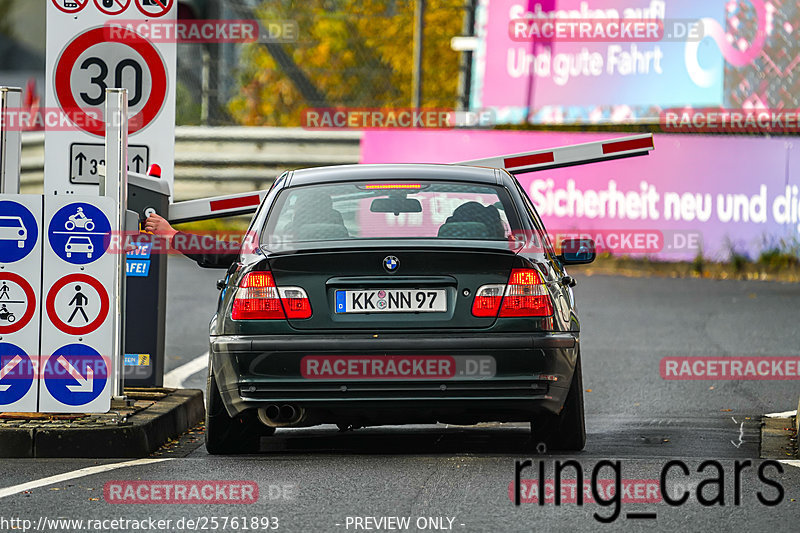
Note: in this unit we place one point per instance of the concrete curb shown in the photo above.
(147, 431)
(797, 419)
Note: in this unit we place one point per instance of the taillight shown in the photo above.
(524, 295)
(295, 302)
(258, 298)
(487, 300)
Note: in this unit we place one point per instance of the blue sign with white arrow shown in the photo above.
(79, 233)
(16, 373)
(18, 231)
(75, 374)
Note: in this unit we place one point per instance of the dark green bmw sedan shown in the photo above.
(396, 294)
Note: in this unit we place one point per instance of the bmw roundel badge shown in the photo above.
(391, 263)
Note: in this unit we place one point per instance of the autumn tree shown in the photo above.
(355, 53)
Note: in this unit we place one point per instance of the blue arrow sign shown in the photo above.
(16, 373)
(79, 233)
(18, 231)
(75, 374)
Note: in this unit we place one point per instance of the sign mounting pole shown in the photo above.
(10, 141)
(115, 186)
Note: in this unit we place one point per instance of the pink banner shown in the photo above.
(737, 193)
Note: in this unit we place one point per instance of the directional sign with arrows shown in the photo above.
(8, 369)
(75, 377)
(16, 377)
(86, 158)
(85, 384)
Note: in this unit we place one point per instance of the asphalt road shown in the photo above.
(463, 474)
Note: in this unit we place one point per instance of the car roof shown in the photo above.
(393, 172)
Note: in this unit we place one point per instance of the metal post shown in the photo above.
(10, 140)
(115, 185)
(205, 87)
(419, 29)
(465, 74)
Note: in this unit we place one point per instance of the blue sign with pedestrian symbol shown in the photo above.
(18, 231)
(79, 233)
(75, 374)
(16, 373)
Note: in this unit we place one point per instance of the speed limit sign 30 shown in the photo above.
(87, 54)
(98, 59)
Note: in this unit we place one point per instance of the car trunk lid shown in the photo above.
(353, 289)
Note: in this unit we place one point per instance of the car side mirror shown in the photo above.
(577, 251)
(220, 284)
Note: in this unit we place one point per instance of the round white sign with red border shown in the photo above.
(77, 304)
(140, 55)
(112, 7)
(154, 8)
(70, 7)
(17, 302)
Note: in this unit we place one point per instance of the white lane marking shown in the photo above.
(783, 414)
(791, 462)
(16, 489)
(741, 433)
(174, 378)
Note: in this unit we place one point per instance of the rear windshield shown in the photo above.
(361, 211)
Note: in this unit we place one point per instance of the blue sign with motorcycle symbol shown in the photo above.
(79, 233)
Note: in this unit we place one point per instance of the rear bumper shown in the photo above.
(522, 375)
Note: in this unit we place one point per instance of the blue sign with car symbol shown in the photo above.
(79, 233)
(18, 231)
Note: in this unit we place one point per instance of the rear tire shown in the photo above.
(226, 435)
(567, 430)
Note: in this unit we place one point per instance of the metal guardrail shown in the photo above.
(221, 160)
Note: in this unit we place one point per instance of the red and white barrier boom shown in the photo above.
(519, 163)
(218, 206)
(566, 156)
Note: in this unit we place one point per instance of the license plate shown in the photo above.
(391, 301)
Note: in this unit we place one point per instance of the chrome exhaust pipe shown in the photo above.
(286, 415)
(273, 412)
